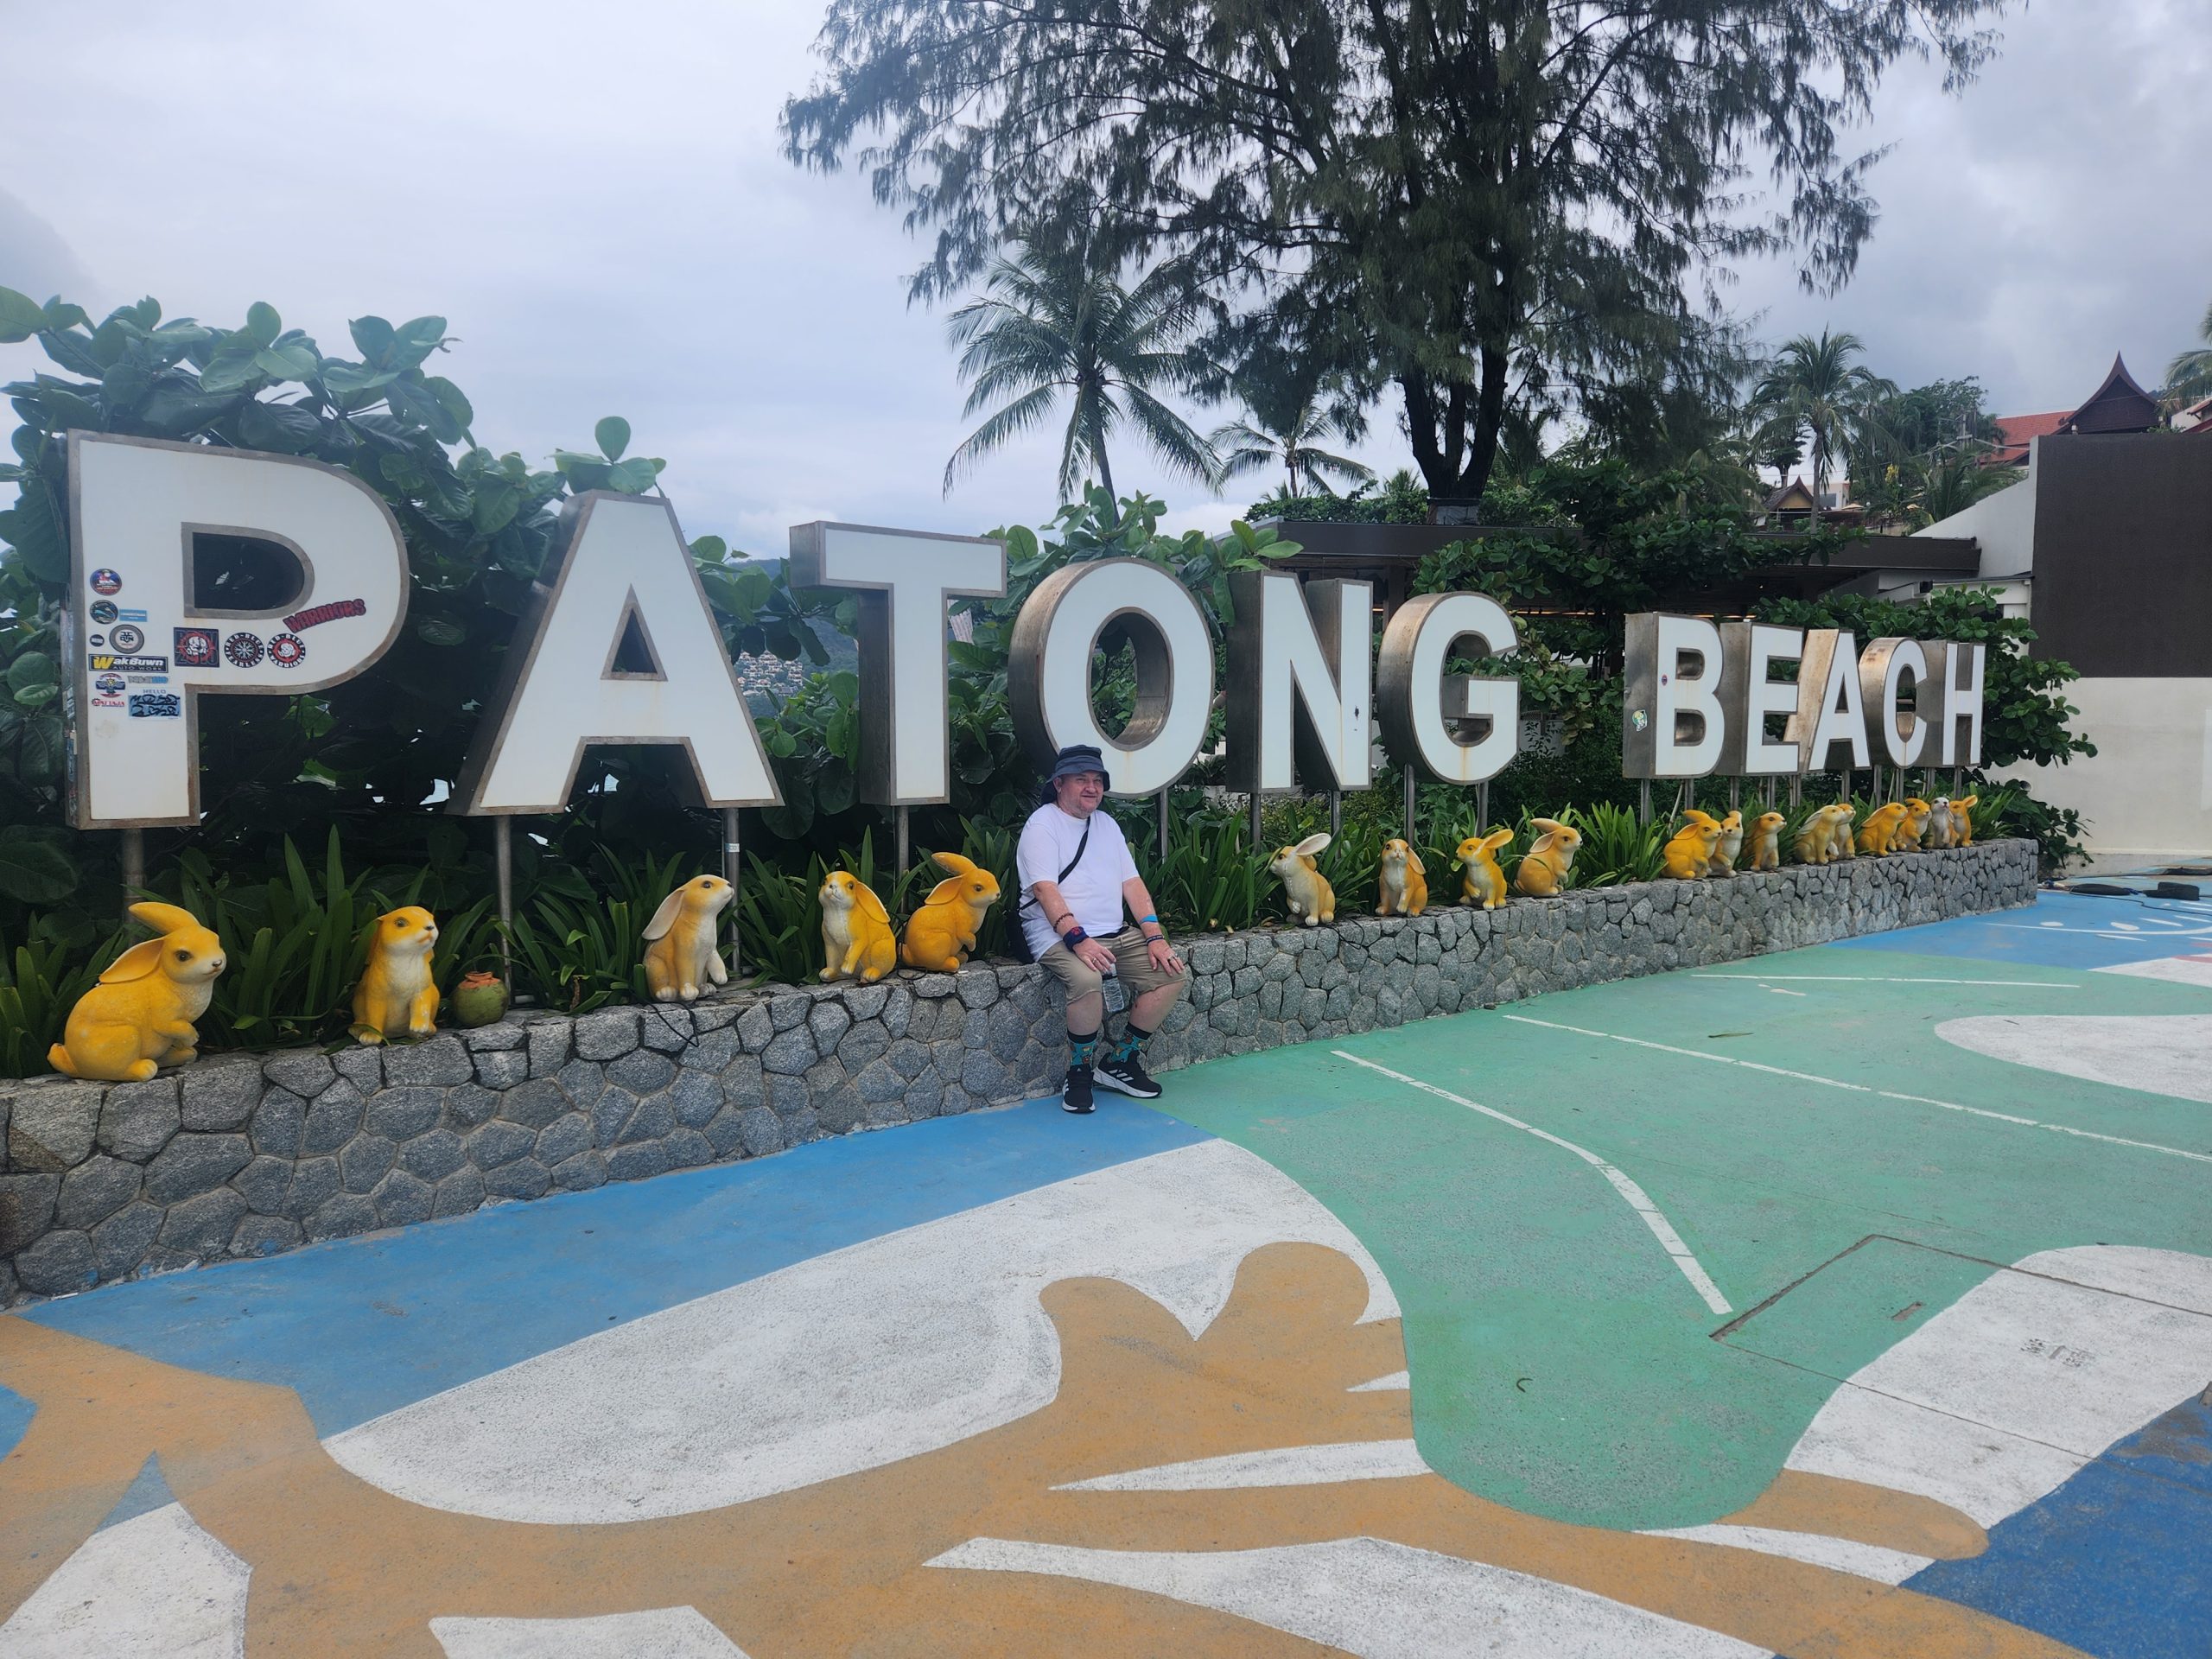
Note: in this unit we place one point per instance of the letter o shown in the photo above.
(1048, 671)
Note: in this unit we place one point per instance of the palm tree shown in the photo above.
(1056, 320)
(1815, 392)
(2188, 376)
(1289, 407)
(1954, 479)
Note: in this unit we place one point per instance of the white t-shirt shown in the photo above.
(1092, 889)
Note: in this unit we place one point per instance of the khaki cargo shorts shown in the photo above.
(1132, 966)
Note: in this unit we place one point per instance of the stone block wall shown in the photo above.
(245, 1155)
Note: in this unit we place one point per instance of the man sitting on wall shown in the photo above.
(1076, 875)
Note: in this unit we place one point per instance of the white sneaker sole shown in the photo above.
(1104, 1079)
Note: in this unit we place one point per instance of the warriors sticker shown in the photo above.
(243, 650)
(286, 650)
(315, 616)
(126, 637)
(109, 685)
(106, 582)
(155, 705)
(196, 648)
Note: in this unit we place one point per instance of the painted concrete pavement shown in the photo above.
(1852, 1301)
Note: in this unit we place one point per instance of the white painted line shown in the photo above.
(1282, 1465)
(1662, 1228)
(1855, 1088)
(1396, 1381)
(1783, 990)
(1885, 979)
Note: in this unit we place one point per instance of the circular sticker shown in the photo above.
(106, 581)
(286, 650)
(243, 650)
(109, 685)
(97, 639)
(126, 637)
(104, 611)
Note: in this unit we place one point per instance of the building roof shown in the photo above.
(2016, 432)
(2118, 406)
(1795, 496)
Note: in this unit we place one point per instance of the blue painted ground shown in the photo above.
(2115, 1561)
(362, 1326)
(2062, 930)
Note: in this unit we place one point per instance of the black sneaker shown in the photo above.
(1075, 1096)
(1129, 1077)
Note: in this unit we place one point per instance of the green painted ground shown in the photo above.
(1560, 1361)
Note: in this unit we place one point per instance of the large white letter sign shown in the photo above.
(1301, 671)
(624, 573)
(903, 578)
(142, 650)
(1953, 694)
(1829, 709)
(1749, 693)
(1673, 726)
(1895, 734)
(1048, 671)
(1425, 711)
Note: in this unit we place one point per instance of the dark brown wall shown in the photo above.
(2123, 571)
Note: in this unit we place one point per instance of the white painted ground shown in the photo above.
(2174, 970)
(2162, 1053)
(2003, 1396)
(1382, 1600)
(878, 1351)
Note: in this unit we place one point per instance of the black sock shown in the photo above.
(1082, 1046)
(1133, 1037)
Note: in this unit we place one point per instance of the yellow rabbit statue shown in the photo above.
(1881, 825)
(1765, 838)
(1401, 881)
(1962, 820)
(1688, 855)
(1906, 837)
(1312, 900)
(139, 1017)
(1543, 868)
(1728, 846)
(1823, 831)
(682, 956)
(1483, 882)
(397, 996)
(857, 941)
(941, 933)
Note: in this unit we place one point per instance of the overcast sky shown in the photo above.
(593, 197)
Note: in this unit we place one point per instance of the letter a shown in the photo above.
(625, 578)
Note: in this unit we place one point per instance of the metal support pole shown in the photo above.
(1766, 794)
(1796, 789)
(1163, 823)
(1413, 801)
(134, 867)
(901, 813)
(1482, 805)
(1735, 794)
(1642, 801)
(1255, 820)
(1958, 781)
(1336, 813)
(503, 858)
(730, 875)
